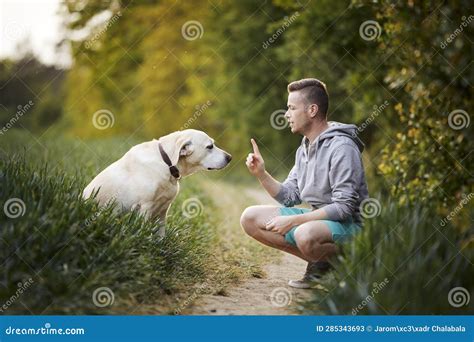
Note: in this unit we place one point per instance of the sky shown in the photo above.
(35, 20)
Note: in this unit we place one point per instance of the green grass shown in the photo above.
(412, 265)
(70, 247)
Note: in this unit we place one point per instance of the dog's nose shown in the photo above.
(228, 158)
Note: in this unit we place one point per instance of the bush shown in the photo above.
(406, 261)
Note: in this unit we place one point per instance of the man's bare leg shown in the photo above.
(254, 220)
(313, 239)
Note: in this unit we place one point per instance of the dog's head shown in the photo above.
(197, 151)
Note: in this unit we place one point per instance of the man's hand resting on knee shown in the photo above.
(280, 224)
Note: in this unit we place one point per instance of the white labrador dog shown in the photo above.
(146, 177)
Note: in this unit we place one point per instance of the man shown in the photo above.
(328, 174)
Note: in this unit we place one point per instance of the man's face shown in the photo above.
(298, 114)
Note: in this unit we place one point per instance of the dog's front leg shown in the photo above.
(157, 213)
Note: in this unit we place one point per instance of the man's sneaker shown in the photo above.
(314, 272)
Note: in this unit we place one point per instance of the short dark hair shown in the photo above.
(314, 91)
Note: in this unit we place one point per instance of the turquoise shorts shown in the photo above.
(341, 231)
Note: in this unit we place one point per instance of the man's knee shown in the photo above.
(307, 243)
(248, 220)
(310, 237)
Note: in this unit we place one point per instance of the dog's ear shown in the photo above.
(184, 148)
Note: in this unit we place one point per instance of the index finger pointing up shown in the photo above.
(255, 147)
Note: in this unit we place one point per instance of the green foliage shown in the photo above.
(405, 261)
(31, 94)
(429, 158)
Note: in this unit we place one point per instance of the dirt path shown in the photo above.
(269, 295)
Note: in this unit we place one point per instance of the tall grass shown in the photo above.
(404, 262)
(70, 247)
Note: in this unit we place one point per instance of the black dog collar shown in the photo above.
(173, 169)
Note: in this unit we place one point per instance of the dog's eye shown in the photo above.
(210, 147)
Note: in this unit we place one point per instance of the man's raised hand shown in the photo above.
(255, 162)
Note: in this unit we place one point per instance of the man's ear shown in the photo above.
(313, 109)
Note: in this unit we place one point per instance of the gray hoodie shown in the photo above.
(328, 174)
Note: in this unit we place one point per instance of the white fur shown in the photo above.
(141, 180)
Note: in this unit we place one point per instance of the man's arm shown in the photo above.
(270, 184)
(318, 214)
(286, 193)
(345, 176)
